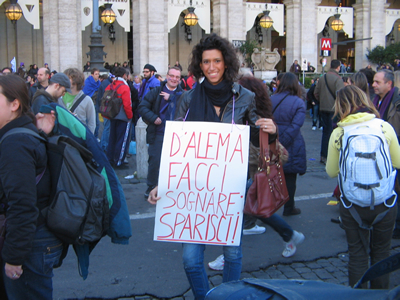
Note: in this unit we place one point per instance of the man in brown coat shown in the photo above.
(325, 92)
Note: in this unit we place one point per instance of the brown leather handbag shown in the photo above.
(268, 192)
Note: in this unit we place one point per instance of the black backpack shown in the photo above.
(111, 102)
(78, 211)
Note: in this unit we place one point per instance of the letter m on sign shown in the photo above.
(326, 44)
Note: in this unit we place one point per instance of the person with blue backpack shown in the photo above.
(363, 152)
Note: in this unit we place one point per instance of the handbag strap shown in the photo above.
(77, 102)
(266, 149)
(329, 89)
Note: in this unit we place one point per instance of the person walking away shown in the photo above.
(157, 107)
(367, 213)
(325, 92)
(121, 124)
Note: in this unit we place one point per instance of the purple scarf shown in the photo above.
(385, 102)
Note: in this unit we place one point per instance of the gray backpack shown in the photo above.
(78, 211)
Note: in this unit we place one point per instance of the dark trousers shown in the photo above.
(154, 160)
(378, 240)
(326, 118)
(291, 186)
(118, 141)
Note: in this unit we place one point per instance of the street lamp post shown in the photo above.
(14, 13)
(96, 52)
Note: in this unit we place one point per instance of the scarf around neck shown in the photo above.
(382, 108)
(205, 97)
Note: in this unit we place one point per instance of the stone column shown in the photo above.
(301, 31)
(62, 42)
(142, 155)
(150, 34)
(370, 22)
(229, 19)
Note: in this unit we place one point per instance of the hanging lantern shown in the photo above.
(191, 19)
(14, 12)
(337, 24)
(266, 21)
(108, 15)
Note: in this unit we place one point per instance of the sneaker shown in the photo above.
(147, 192)
(321, 128)
(217, 264)
(255, 230)
(290, 247)
(314, 128)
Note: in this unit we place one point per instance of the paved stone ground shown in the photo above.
(331, 269)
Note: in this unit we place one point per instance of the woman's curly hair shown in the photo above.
(228, 53)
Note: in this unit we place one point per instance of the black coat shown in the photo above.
(22, 158)
(149, 108)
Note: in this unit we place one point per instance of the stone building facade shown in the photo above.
(61, 42)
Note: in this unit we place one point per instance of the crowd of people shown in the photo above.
(213, 91)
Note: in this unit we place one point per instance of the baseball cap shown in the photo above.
(62, 80)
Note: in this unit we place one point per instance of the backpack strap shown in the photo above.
(329, 89)
(77, 102)
(26, 131)
(22, 130)
(362, 225)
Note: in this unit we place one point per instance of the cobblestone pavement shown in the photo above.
(331, 269)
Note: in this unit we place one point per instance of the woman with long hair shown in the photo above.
(30, 250)
(371, 240)
(289, 112)
(291, 237)
(216, 98)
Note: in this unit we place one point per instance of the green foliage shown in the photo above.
(381, 55)
(307, 82)
(392, 52)
(247, 49)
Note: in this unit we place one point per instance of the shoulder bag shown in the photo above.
(268, 192)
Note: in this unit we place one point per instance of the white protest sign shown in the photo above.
(202, 183)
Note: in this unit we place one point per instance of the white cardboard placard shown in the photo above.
(202, 183)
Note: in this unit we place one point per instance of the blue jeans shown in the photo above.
(96, 131)
(106, 135)
(326, 118)
(36, 282)
(316, 116)
(193, 262)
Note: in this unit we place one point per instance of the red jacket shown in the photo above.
(125, 93)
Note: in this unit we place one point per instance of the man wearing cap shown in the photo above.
(43, 76)
(149, 81)
(46, 65)
(59, 84)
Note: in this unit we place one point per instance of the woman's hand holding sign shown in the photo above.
(153, 198)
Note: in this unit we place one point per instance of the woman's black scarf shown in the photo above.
(205, 97)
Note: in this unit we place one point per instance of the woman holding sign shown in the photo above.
(216, 98)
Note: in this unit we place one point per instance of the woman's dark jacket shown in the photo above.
(290, 116)
(149, 108)
(245, 109)
(22, 158)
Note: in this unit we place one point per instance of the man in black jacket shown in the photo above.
(43, 76)
(158, 106)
